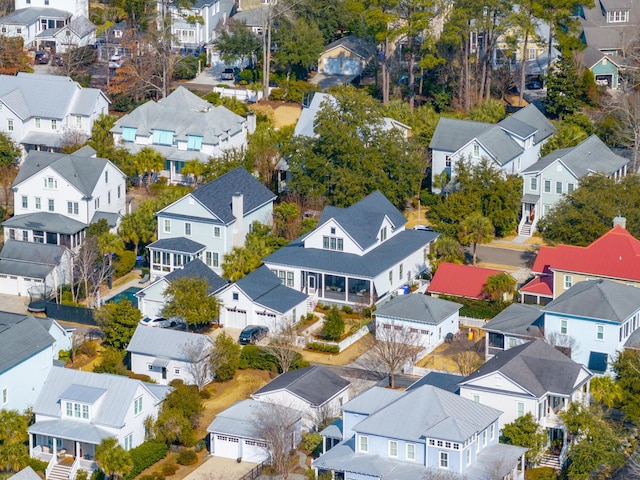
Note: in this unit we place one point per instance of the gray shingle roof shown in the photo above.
(111, 217)
(81, 26)
(37, 95)
(20, 338)
(115, 404)
(167, 343)
(316, 384)
(419, 308)
(517, 319)
(371, 400)
(183, 113)
(27, 16)
(536, 366)
(240, 419)
(357, 45)
(178, 244)
(216, 195)
(29, 259)
(256, 17)
(451, 134)
(444, 415)
(514, 125)
(530, 115)
(441, 380)
(80, 169)
(47, 221)
(196, 268)
(264, 288)
(589, 156)
(599, 299)
(362, 220)
(373, 263)
(501, 146)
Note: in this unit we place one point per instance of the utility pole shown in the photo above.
(266, 53)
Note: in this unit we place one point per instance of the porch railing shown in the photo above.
(74, 468)
(50, 465)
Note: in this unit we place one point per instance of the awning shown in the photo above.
(530, 198)
(160, 362)
(41, 138)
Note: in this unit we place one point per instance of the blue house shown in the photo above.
(412, 434)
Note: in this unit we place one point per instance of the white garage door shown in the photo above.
(226, 446)
(9, 285)
(253, 451)
(341, 66)
(236, 318)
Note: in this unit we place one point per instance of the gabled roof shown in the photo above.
(598, 299)
(316, 385)
(264, 288)
(442, 380)
(460, 280)
(500, 145)
(116, 402)
(589, 156)
(25, 474)
(29, 259)
(362, 220)
(451, 134)
(81, 26)
(356, 45)
(177, 244)
(530, 115)
(21, 337)
(217, 194)
(196, 268)
(537, 367)
(27, 16)
(170, 344)
(444, 415)
(517, 319)
(616, 254)
(241, 418)
(80, 169)
(46, 221)
(419, 308)
(37, 95)
(542, 285)
(183, 113)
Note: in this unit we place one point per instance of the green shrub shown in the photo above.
(323, 347)
(97, 475)
(347, 309)
(169, 469)
(38, 465)
(310, 441)
(82, 474)
(145, 455)
(366, 312)
(186, 68)
(141, 376)
(64, 355)
(474, 308)
(124, 263)
(153, 476)
(333, 327)
(187, 457)
(541, 473)
(256, 357)
(88, 348)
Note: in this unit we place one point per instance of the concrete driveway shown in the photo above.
(13, 303)
(218, 468)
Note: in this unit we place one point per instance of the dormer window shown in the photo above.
(162, 137)
(332, 243)
(194, 143)
(619, 15)
(77, 410)
(128, 134)
(383, 234)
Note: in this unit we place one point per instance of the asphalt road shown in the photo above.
(503, 256)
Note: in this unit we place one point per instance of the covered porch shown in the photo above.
(337, 288)
(49, 228)
(172, 254)
(530, 213)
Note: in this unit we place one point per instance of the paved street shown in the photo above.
(504, 256)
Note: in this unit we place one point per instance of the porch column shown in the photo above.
(30, 444)
(522, 463)
(77, 452)
(324, 445)
(54, 446)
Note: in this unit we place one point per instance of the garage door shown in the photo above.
(253, 451)
(236, 318)
(226, 446)
(9, 284)
(341, 66)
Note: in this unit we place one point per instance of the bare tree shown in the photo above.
(197, 353)
(565, 343)
(279, 427)
(325, 414)
(433, 474)
(92, 269)
(395, 345)
(467, 355)
(72, 139)
(626, 111)
(282, 342)
(8, 174)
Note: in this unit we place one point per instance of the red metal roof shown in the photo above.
(616, 254)
(539, 286)
(460, 280)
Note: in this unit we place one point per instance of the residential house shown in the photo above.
(262, 298)
(166, 355)
(424, 321)
(151, 299)
(57, 196)
(534, 378)
(239, 431)
(195, 25)
(315, 391)
(76, 410)
(606, 68)
(26, 357)
(441, 380)
(614, 256)
(38, 110)
(356, 255)
(560, 172)
(610, 26)
(412, 434)
(79, 32)
(33, 269)
(181, 127)
(342, 61)
(512, 145)
(446, 280)
(591, 322)
(209, 221)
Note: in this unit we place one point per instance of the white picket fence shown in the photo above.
(472, 322)
(242, 94)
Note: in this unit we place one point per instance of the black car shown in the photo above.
(252, 334)
(534, 85)
(42, 57)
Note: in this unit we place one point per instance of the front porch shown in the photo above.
(64, 456)
(337, 289)
(529, 218)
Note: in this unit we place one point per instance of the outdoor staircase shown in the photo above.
(547, 460)
(525, 229)
(59, 472)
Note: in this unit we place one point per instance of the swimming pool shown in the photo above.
(128, 293)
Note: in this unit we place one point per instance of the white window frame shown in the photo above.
(568, 281)
(547, 186)
(363, 443)
(410, 451)
(443, 460)
(564, 326)
(187, 229)
(393, 449)
(166, 225)
(5, 396)
(533, 184)
(216, 232)
(600, 332)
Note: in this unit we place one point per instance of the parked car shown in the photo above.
(42, 57)
(252, 334)
(534, 85)
(163, 322)
(426, 228)
(115, 61)
(228, 74)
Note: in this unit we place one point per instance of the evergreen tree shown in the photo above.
(564, 87)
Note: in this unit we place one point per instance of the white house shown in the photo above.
(196, 24)
(237, 432)
(36, 110)
(357, 255)
(316, 391)
(181, 127)
(261, 298)
(151, 298)
(166, 355)
(209, 221)
(512, 145)
(26, 357)
(76, 410)
(425, 321)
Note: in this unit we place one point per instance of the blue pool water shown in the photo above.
(128, 293)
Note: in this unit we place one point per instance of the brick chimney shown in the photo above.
(237, 210)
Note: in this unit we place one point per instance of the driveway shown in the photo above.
(217, 468)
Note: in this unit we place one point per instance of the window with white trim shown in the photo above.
(599, 332)
(533, 182)
(520, 409)
(411, 451)
(444, 459)
(547, 186)
(167, 226)
(137, 405)
(216, 232)
(393, 448)
(559, 188)
(476, 151)
(5, 396)
(363, 443)
(187, 229)
(25, 201)
(128, 442)
(563, 327)
(568, 281)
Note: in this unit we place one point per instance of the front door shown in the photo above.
(311, 284)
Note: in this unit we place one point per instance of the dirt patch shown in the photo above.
(343, 358)
(442, 357)
(286, 114)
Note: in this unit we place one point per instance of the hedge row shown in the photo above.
(323, 347)
(474, 308)
(145, 455)
(256, 357)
